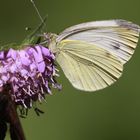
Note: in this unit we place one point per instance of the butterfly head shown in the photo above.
(49, 37)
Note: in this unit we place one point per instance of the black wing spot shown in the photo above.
(116, 46)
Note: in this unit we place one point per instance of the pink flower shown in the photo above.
(30, 73)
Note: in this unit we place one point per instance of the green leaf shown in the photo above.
(8, 46)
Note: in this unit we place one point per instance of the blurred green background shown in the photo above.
(109, 114)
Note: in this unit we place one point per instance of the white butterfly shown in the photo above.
(92, 54)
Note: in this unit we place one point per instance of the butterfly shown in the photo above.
(92, 54)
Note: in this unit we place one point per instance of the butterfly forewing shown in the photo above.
(119, 37)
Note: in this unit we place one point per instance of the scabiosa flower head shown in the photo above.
(29, 72)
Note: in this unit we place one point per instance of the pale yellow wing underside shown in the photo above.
(87, 66)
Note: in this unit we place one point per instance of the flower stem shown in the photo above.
(8, 114)
(16, 131)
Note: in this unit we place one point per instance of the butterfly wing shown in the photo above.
(87, 66)
(119, 37)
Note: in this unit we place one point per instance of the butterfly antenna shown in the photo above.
(38, 13)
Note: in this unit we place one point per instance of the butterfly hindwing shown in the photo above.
(87, 66)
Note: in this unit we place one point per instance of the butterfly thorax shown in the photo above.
(51, 41)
